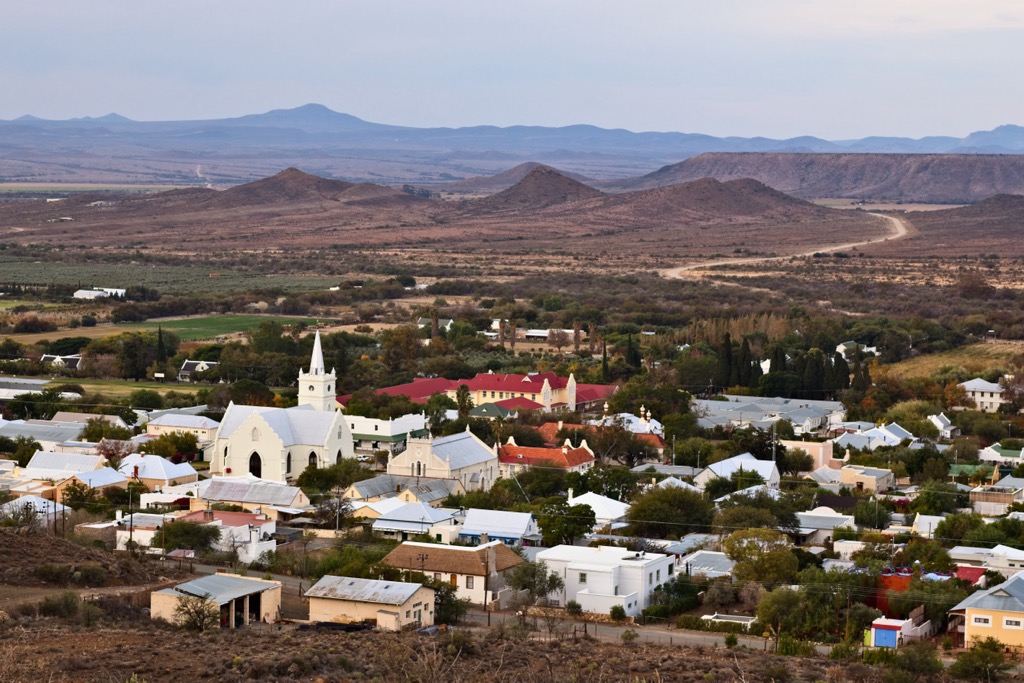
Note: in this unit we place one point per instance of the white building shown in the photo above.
(602, 577)
(462, 457)
(744, 462)
(987, 396)
(370, 434)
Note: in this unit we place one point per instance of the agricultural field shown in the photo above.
(202, 328)
(118, 388)
(167, 279)
(975, 358)
(52, 189)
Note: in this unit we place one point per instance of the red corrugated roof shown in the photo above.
(526, 455)
(971, 574)
(518, 383)
(548, 430)
(519, 403)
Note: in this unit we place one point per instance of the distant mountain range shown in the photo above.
(231, 151)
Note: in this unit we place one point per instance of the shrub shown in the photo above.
(573, 608)
(731, 640)
(791, 647)
(50, 572)
(197, 613)
(65, 605)
(91, 575)
(617, 613)
(629, 636)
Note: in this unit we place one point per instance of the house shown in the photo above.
(947, 430)
(709, 563)
(248, 535)
(994, 501)
(372, 511)
(390, 605)
(46, 511)
(514, 459)
(849, 350)
(408, 489)
(413, 519)
(462, 457)
(268, 498)
(818, 526)
(608, 512)
(102, 478)
(47, 434)
(924, 525)
(279, 443)
(893, 633)
(862, 478)
(90, 294)
(370, 435)
(987, 396)
(605, 576)
(821, 452)
(998, 455)
(442, 323)
(1003, 559)
(83, 418)
(511, 528)
(807, 416)
(156, 472)
(70, 362)
(745, 462)
(997, 612)
(204, 429)
(191, 367)
(477, 573)
(242, 600)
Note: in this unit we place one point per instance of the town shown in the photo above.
(552, 504)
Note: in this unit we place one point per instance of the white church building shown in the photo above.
(277, 444)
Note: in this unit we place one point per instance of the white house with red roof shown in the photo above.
(513, 458)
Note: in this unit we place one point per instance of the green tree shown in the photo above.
(563, 523)
(448, 607)
(985, 661)
(78, 496)
(724, 367)
(463, 401)
(197, 613)
(24, 448)
(762, 555)
(146, 399)
(936, 498)
(667, 511)
(187, 536)
(917, 661)
(535, 580)
(99, 428)
(175, 446)
(780, 610)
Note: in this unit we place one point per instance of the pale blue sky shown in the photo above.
(776, 68)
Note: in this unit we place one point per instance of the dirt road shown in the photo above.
(899, 230)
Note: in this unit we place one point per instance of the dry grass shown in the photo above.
(975, 358)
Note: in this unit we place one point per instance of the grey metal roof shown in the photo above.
(57, 432)
(72, 462)
(222, 588)
(496, 523)
(363, 590)
(185, 421)
(462, 450)
(1006, 597)
(263, 492)
(300, 425)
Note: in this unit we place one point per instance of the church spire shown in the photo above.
(316, 364)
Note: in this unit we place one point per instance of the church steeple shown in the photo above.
(317, 387)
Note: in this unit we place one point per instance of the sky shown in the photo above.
(835, 69)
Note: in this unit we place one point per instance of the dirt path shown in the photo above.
(899, 230)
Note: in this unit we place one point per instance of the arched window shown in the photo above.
(288, 463)
(338, 459)
(419, 469)
(255, 434)
(312, 459)
(255, 465)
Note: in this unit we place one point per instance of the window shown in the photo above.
(658, 575)
(469, 582)
(650, 577)
(406, 614)
(437, 576)
(583, 577)
(1012, 623)
(982, 621)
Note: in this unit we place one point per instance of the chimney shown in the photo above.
(559, 426)
(570, 496)
(484, 538)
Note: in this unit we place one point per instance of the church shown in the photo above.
(277, 444)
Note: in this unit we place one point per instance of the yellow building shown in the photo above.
(391, 605)
(997, 612)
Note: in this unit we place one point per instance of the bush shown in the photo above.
(731, 640)
(50, 572)
(629, 636)
(91, 575)
(791, 647)
(617, 613)
(64, 605)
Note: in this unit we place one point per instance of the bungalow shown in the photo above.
(862, 478)
(70, 362)
(204, 429)
(246, 534)
(818, 526)
(41, 509)
(408, 489)
(242, 600)
(413, 519)
(602, 577)
(191, 367)
(987, 396)
(608, 512)
(477, 574)
(997, 612)
(947, 430)
(390, 605)
(511, 528)
(102, 478)
(156, 472)
(745, 462)
(255, 495)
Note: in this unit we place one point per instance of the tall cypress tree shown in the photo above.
(723, 370)
(840, 372)
(778, 363)
(743, 364)
(161, 348)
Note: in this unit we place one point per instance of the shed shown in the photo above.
(392, 605)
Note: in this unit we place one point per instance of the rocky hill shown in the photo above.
(932, 178)
(502, 181)
(540, 188)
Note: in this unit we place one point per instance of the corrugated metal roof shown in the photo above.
(363, 590)
(462, 450)
(72, 462)
(264, 492)
(300, 425)
(496, 523)
(222, 588)
(106, 476)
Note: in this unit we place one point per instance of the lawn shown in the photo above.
(120, 388)
(201, 328)
(976, 358)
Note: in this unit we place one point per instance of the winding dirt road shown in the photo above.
(900, 229)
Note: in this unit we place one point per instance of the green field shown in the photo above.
(120, 388)
(167, 279)
(201, 328)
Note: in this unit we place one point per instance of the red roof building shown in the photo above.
(513, 458)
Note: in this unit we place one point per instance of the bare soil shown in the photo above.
(48, 650)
